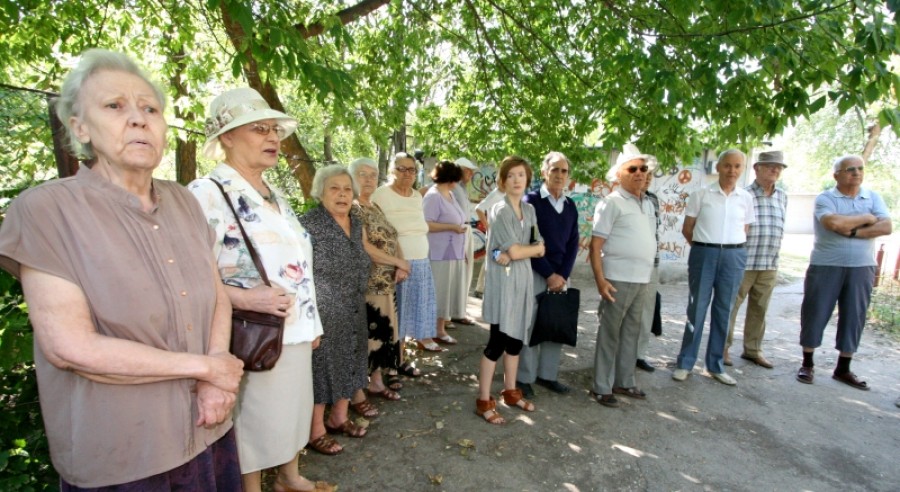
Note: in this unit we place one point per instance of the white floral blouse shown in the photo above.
(282, 243)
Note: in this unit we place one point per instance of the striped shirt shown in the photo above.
(764, 238)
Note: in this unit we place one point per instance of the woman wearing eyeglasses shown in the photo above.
(403, 207)
(274, 409)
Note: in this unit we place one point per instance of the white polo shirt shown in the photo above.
(720, 218)
(628, 224)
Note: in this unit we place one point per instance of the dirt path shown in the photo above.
(767, 433)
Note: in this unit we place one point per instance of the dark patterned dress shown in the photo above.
(381, 307)
(341, 272)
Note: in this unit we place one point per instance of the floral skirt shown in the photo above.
(384, 341)
(416, 303)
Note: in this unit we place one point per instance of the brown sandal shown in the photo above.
(487, 409)
(607, 400)
(632, 392)
(851, 379)
(348, 428)
(514, 398)
(320, 486)
(324, 444)
(386, 393)
(365, 409)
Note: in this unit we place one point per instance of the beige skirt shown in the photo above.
(274, 410)
(450, 291)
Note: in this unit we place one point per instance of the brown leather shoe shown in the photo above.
(727, 360)
(760, 361)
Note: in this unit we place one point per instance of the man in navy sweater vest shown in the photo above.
(558, 224)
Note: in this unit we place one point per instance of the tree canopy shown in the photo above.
(486, 78)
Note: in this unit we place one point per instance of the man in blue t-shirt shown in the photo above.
(842, 267)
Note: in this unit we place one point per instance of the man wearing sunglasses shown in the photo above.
(623, 246)
(842, 267)
(763, 244)
(716, 221)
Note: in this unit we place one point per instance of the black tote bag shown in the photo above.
(557, 318)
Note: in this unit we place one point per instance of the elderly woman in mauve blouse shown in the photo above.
(275, 407)
(447, 228)
(131, 322)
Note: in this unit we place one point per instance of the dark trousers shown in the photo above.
(848, 287)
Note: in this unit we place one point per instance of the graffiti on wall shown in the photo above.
(671, 186)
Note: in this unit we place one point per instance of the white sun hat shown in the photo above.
(629, 153)
(238, 107)
(466, 163)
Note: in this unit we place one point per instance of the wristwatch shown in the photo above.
(853, 232)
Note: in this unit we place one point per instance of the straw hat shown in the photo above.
(235, 108)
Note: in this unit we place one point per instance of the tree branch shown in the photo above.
(346, 16)
(738, 30)
(296, 155)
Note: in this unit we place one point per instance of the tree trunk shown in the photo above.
(327, 153)
(301, 165)
(298, 159)
(66, 163)
(871, 141)
(382, 162)
(398, 139)
(185, 150)
(185, 161)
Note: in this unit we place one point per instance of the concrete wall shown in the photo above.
(800, 209)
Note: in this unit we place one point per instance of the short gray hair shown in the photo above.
(836, 165)
(401, 155)
(728, 152)
(93, 61)
(360, 162)
(553, 157)
(326, 173)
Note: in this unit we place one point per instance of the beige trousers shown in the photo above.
(758, 284)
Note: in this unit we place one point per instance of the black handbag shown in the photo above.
(256, 338)
(557, 317)
(656, 327)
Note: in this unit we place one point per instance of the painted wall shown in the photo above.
(672, 187)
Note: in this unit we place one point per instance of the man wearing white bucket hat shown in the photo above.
(460, 192)
(623, 248)
(763, 244)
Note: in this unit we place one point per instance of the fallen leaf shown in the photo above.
(436, 479)
(466, 443)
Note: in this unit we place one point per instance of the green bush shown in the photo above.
(24, 454)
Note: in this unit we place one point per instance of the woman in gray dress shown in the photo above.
(512, 241)
(341, 269)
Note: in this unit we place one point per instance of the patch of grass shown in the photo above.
(884, 309)
(791, 267)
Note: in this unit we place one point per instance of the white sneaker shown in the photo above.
(723, 378)
(680, 374)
